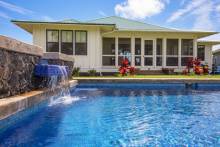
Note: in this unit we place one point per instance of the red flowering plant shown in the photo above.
(195, 64)
(126, 68)
(206, 69)
(189, 66)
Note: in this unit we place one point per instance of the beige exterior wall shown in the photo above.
(90, 61)
(208, 55)
(93, 59)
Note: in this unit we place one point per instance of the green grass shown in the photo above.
(156, 77)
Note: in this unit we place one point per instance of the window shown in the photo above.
(108, 46)
(108, 60)
(148, 52)
(187, 47)
(148, 47)
(138, 61)
(124, 49)
(137, 51)
(148, 61)
(172, 52)
(159, 52)
(201, 52)
(186, 51)
(108, 51)
(172, 47)
(67, 42)
(81, 43)
(172, 61)
(137, 46)
(52, 44)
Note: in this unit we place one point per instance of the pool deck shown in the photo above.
(14, 104)
(148, 80)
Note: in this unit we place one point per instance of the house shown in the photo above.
(101, 44)
(216, 57)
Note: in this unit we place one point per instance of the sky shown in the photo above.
(182, 14)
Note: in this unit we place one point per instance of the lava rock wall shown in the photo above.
(16, 72)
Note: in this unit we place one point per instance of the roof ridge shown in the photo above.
(70, 20)
(99, 18)
(141, 22)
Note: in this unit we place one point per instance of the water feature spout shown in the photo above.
(55, 75)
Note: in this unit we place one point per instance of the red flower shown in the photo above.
(125, 68)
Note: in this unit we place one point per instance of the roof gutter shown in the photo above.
(60, 23)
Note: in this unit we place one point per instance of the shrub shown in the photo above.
(194, 65)
(125, 68)
(205, 69)
(76, 71)
(92, 72)
(168, 71)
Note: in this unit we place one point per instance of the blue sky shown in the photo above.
(182, 14)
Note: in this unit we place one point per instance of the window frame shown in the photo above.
(137, 55)
(189, 57)
(61, 41)
(151, 56)
(159, 55)
(198, 51)
(110, 55)
(85, 42)
(124, 56)
(47, 30)
(172, 56)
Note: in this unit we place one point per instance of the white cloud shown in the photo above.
(203, 17)
(14, 8)
(218, 8)
(189, 8)
(140, 9)
(4, 15)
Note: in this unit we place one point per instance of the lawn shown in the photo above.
(154, 77)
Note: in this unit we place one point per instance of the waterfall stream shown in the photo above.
(62, 81)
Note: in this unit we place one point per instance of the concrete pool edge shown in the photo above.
(148, 80)
(14, 104)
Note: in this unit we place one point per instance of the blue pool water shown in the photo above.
(106, 115)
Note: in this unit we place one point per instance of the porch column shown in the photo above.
(132, 51)
(116, 51)
(164, 52)
(179, 52)
(154, 53)
(59, 40)
(142, 52)
(195, 48)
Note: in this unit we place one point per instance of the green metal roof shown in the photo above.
(70, 21)
(126, 24)
(115, 22)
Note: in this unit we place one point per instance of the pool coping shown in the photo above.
(14, 104)
(148, 80)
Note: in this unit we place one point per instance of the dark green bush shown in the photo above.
(92, 72)
(76, 71)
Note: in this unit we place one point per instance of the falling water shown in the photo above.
(62, 81)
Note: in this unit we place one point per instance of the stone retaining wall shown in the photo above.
(17, 61)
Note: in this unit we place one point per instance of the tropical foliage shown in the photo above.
(125, 68)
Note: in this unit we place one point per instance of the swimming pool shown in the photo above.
(111, 115)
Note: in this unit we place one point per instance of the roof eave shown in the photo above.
(27, 25)
(208, 42)
(199, 34)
